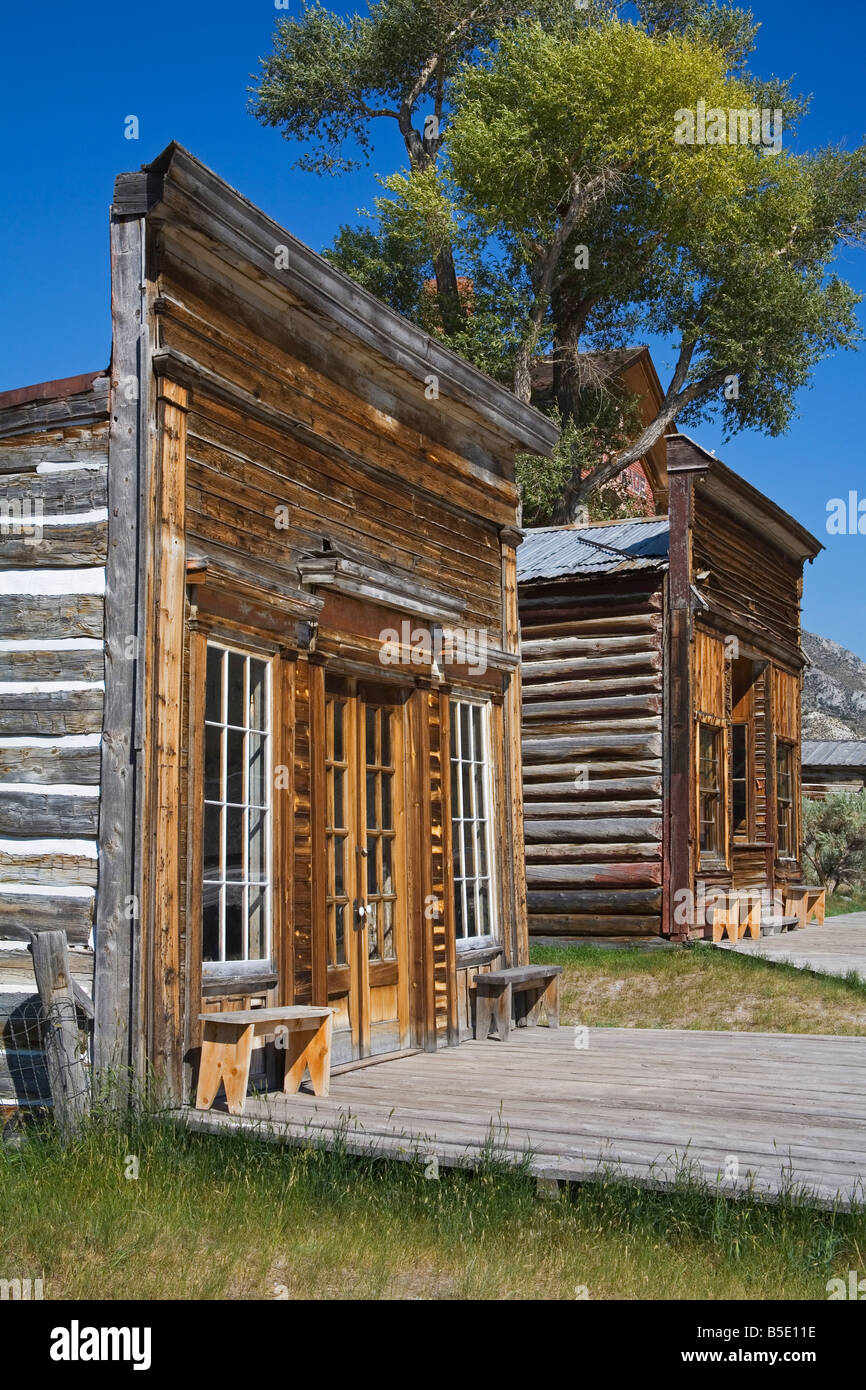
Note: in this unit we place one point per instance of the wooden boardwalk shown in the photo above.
(645, 1103)
(836, 948)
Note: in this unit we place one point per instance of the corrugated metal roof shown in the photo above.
(831, 752)
(555, 552)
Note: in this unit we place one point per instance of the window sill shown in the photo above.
(238, 977)
(480, 952)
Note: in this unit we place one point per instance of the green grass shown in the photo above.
(232, 1217)
(700, 986)
(837, 903)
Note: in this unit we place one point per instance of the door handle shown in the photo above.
(360, 914)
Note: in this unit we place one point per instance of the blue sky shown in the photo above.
(69, 76)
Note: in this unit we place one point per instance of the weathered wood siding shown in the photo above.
(592, 753)
(272, 492)
(52, 556)
(753, 588)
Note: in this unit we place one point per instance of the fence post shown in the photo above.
(70, 1088)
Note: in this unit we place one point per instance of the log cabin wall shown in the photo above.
(320, 475)
(53, 466)
(593, 684)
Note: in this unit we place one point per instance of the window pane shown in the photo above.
(388, 948)
(257, 923)
(236, 690)
(235, 766)
(342, 913)
(484, 909)
(234, 922)
(234, 842)
(213, 684)
(372, 884)
(371, 736)
(258, 845)
(387, 821)
(257, 793)
(210, 926)
(339, 853)
(387, 872)
(212, 754)
(338, 730)
(385, 751)
(258, 687)
(212, 815)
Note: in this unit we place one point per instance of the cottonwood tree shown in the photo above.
(578, 220)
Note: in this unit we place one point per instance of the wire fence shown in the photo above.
(45, 1052)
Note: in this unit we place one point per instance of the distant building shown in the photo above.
(837, 765)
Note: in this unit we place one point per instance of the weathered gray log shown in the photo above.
(51, 615)
(70, 546)
(69, 664)
(643, 874)
(24, 914)
(584, 666)
(590, 853)
(58, 493)
(636, 900)
(617, 829)
(618, 705)
(588, 646)
(37, 813)
(51, 712)
(15, 458)
(553, 810)
(537, 773)
(594, 924)
(630, 684)
(593, 787)
(66, 869)
(45, 764)
(549, 748)
(70, 1090)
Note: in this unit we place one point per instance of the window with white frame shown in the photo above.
(471, 829)
(236, 894)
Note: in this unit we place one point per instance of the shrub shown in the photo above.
(834, 839)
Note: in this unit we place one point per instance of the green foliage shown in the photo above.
(834, 839)
(607, 423)
(553, 130)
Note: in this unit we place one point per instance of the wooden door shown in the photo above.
(365, 901)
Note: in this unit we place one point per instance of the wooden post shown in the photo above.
(118, 1034)
(70, 1088)
(163, 920)
(510, 538)
(679, 812)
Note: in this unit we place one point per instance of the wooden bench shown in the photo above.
(526, 988)
(227, 1047)
(806, 901)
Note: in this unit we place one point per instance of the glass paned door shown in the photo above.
(365, 900)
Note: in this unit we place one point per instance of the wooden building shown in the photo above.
(260, 692)
(833, 765)
(661, 719)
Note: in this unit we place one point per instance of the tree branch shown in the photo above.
(676, 398)
(582, 198)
